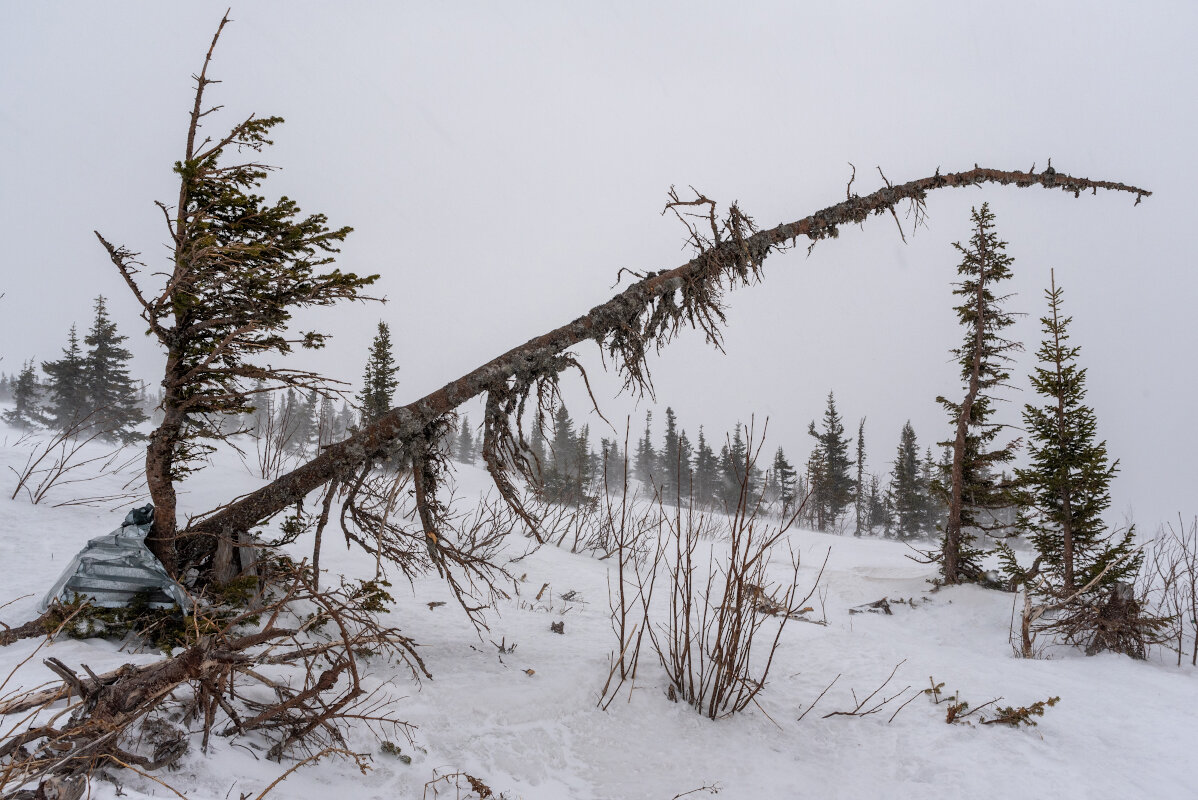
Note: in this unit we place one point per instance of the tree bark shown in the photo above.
(404, 423)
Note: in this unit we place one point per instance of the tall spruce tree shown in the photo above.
(733, 463)
(67, 402)
(645, 463)
(686, 463)
(832, 487)
(239, 268)
(784, 479)
(973, 488)
(707, 474)
(611, 466)
(1066, 487)
(111, 392)
(671, 468)
(379, 380)
(907, 495)
(464, 451)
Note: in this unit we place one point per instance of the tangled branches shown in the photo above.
(289, 674)
(429, 534)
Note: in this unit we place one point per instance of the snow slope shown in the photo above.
(1122, 728)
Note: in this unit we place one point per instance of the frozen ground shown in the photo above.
(1122, 729)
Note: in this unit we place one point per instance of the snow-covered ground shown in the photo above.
(528, 725)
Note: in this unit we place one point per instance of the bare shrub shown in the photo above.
(715, 618)
(273, 435)
(59, 460)
(633, 532)
(1169, 585)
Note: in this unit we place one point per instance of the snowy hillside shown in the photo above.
(526, 723)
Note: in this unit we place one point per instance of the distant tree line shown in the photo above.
(836, 492)
(89, 389)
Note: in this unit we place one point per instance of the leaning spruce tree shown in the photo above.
(973, 491)
(240, 267)
(1066, 487)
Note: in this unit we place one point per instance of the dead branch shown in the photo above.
(294, 683)
(862, 708)
(643, 317)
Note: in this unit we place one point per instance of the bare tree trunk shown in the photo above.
(159, 462)
(622, 316)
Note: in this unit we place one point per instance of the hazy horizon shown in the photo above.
(500, 164)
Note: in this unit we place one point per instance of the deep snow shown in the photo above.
(1122, 728)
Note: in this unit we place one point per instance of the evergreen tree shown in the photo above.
(784, 479)
(345, 423)
(240, 266)
(907, 494)
(111, 393)
(66, 390)
(879, 511)
(287, 424)
(262, 413)
(815, 512)
(464, 452)
(26, 393)
(1066, 486)
(671, 466)
(5, 386)
(707, 476)
(932, 507)
(307, 423)
(611, 464)
(646, 457)
(326, 428)
(568, 475)
(732, 464)
(832, 485)
(585, 462)
(379, 381)
(686, 462)
(973, 489)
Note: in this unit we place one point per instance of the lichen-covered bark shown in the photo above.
(638, 319)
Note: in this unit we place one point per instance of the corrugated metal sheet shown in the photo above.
(113, 569)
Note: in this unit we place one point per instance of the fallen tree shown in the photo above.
(643, 317)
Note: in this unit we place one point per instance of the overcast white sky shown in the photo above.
(500, 162)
